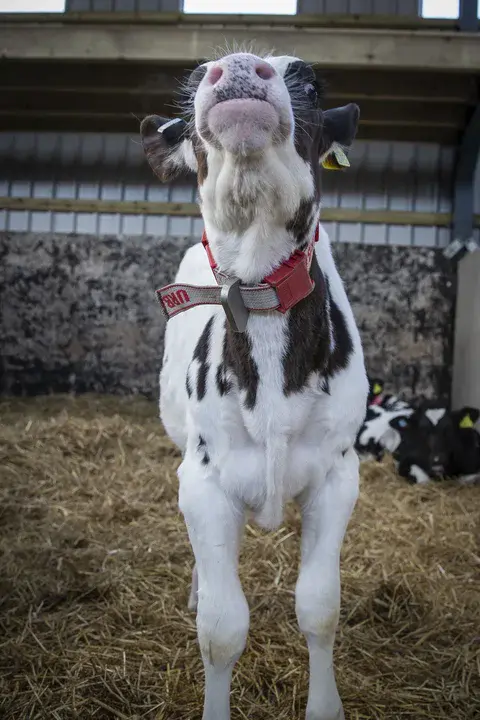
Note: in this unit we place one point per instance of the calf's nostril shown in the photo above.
(215, 74)
(264, 71)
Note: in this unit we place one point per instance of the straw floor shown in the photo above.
(95, 570)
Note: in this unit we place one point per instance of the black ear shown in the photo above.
(467, 417)
(339, 130)
(161, 137)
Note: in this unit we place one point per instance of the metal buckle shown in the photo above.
(232, 303)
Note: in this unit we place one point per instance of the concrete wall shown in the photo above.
(466, 377)
(78, 312)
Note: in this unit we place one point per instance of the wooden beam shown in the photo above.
(120, 207)
(347, 215)
(184, 43)
(343, 20)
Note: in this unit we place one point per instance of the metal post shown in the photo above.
(468, 20)
(463, 200)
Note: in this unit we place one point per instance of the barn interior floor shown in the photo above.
(95, 569)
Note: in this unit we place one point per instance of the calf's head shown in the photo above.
(433, 437)
(253, 126)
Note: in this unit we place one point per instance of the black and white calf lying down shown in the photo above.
(427, 440)
(265, 405)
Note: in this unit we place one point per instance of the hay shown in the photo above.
(95, 570)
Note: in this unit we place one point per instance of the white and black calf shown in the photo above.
(269, 414)
(437, 443)
(385, 416)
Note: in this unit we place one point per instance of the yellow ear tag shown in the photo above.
(377, 389)
(466, 422)
(336, 160)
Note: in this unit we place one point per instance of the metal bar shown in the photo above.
(190, 209)
(463, 199)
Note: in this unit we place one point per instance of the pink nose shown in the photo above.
(260, 68)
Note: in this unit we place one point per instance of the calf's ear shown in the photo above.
(339, 130)
(467, 417)
(167, 146)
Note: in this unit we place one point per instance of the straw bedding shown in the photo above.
(95, 569)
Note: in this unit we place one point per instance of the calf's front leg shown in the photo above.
(214, 523)
(326, 510)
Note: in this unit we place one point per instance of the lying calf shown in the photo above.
(437, 443)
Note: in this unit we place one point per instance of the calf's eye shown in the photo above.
(311, 92)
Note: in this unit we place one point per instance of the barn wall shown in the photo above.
(79, 313)
(383, 175)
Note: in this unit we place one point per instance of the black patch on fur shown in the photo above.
(188, 385)
(301, 224)
(308, 342)
(202, 448)
(237, 355)
(325, 386)
(308, 347)
(202, 380)
(343, 349)
(201, 354)
(344, 452)
(223, 383)
(300, 80)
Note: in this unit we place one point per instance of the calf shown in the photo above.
(263, 385)
(380, 430)
(438, 443)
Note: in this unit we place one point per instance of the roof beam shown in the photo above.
(330, 46)
(346, 20)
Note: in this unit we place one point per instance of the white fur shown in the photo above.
(421, 477)
(435, 415)
(287, 447)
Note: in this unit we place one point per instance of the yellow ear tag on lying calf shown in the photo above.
(377, 389)
(466, 422)
(336, 160)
